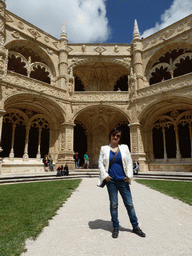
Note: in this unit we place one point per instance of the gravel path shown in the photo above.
(82, 226)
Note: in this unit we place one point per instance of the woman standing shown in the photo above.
(50, 163)
(118, 176)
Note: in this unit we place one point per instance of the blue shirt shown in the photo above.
(116, 170)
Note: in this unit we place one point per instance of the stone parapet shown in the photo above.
(101, 96)
(166, 86)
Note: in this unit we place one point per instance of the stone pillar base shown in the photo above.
(143, 164)
(66, 157)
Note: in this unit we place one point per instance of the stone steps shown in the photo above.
(88, 173)
(187, 176)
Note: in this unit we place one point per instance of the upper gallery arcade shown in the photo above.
(61, 98)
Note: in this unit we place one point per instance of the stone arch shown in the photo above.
(99, 74)
(167, 127)
(27, 48)
(166, 67)
(43, 118)
(98, 121)
(38, 103)
(101, 106)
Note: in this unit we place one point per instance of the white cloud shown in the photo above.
(85, 20)
(178, 10)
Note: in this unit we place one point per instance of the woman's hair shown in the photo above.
(114, 131)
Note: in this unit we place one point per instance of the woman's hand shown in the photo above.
(108, 178)
(127, 179)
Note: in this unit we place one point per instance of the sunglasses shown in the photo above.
(116, 135)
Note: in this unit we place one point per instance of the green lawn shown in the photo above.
(26, 208)
(181, 190)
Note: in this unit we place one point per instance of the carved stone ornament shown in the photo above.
(8, 18)
(15, 34)
(46, 38)
(69, 49)
(186, 37)
(154, 40)
(145, 44)
(56, 44)
(34, 32)
(129, 50)
(116, 48)
(190, 23)
(20, 25)
(100, 49)
(3, 65)
(49, 51)
(166, 34)
(180, 27)
(83, 48)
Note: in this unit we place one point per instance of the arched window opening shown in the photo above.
(170, 141)
(6, 139)
(15, 65)
(160, 75)
(33, 142)
(19, 142)
(44, 142)
(170, 65)
(158, 147)
(122, 83)
(184, 67)
(40, 74)
(184, 140)
(125, 136)
(79, 85)
(80, 141)
(172, 135)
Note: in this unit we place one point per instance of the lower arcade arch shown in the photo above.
(172, 135)
(22, 139)
(92, 128)
(30, 128)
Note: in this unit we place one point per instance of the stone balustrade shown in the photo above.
(166, 86)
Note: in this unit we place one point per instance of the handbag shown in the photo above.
(104, 182)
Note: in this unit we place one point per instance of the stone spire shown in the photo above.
(63, 32)
(136, 34)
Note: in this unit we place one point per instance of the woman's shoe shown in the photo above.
(139, 232)
(115, 233)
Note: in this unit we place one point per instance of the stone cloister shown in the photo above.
(59, 98)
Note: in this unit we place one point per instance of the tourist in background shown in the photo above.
(50, 160)
(86, 161)
(46, 163)
(135, 167)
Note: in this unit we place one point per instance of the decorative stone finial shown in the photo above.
(64, 32)
(136, 34)
(131, 72)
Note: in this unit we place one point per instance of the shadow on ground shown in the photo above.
(105, 225)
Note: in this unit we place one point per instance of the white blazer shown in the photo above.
(104, 162)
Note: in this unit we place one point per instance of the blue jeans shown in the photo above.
(123, 188)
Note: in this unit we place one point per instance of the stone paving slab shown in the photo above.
(82, 226)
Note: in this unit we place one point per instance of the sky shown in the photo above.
(100, 21)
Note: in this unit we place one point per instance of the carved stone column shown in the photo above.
(164, 144)
(137, 147)
(137, 57)
(2, 20)
(63, 59)
(2, 112)
(11, 154)
(26, 156)
(190, 130)
(178, 154)
(66, 154)
(38, 156)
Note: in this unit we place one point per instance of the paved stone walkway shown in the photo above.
(82, 226)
